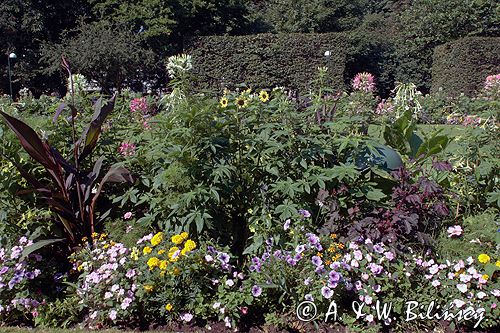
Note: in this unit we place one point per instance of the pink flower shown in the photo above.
(127, 149)
(436, 283)
(364, 82)
(384, 107)
(127, 215)
(462, 287)
(455, 230)
(139, 105)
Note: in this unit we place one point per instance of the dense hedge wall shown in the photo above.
(462, 66)
(267, 60)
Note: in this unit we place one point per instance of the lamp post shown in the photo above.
(11, 56)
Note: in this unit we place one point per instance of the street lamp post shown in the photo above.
(11, 56)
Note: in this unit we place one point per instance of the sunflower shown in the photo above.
(241, 103)
(264, 96)
(223, 102)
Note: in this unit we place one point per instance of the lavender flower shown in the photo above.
(256, 291)
(326, 292)
(305, 213)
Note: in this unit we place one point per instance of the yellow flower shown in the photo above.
(485, 277)
(135, 254)
(157, 239)
(147, 250)
(484, 258)
(168, 307)
(148, 288)
(497, 263)
(176, 271)
(153, 262)
(84, 239)
(241, 103)
(161, 251)
(263, 96)
(223, 102)
(95, 234)
(80, 268)
(103, 236)
(333, 236)
(105, 246)
(184, 251)
(190, 245)
(184, 235)
(163, 265)
(177, 239)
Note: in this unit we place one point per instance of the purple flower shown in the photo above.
(305, 213)
(265, 256)
(300, 248)
(256, 291)
(4, 270)
(334, 276)
(308, 297)
(326, 292)
(223, 257)
(270, 241)
(286, 225)
(389, 256)
(358, 255)
(378, 248)
(316, 260)
(375, 269)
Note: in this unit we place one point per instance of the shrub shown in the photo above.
(268, 60)
(462, 66)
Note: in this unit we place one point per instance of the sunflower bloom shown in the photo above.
(241, 103)
(263, 96)
(223, 102)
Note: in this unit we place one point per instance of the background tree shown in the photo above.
(110, 54)
(24, 25)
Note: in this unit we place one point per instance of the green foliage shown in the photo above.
(462, 66)
(267, 60)
(480, 235)
(289, 16)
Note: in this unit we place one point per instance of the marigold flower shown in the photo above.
(168, 307)
(497, 263)
(190, 245)
(161, 251)
(149, 288)
(157, 239)
(223, 102)
(485, 277)
(263, 96)
(176, 271)
(184, 235)
(153, 262)
(484, 258)
(147, 250)
(177, 239)
(163, 265)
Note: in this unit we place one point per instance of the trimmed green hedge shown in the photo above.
(462, 66)
(267, 60)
